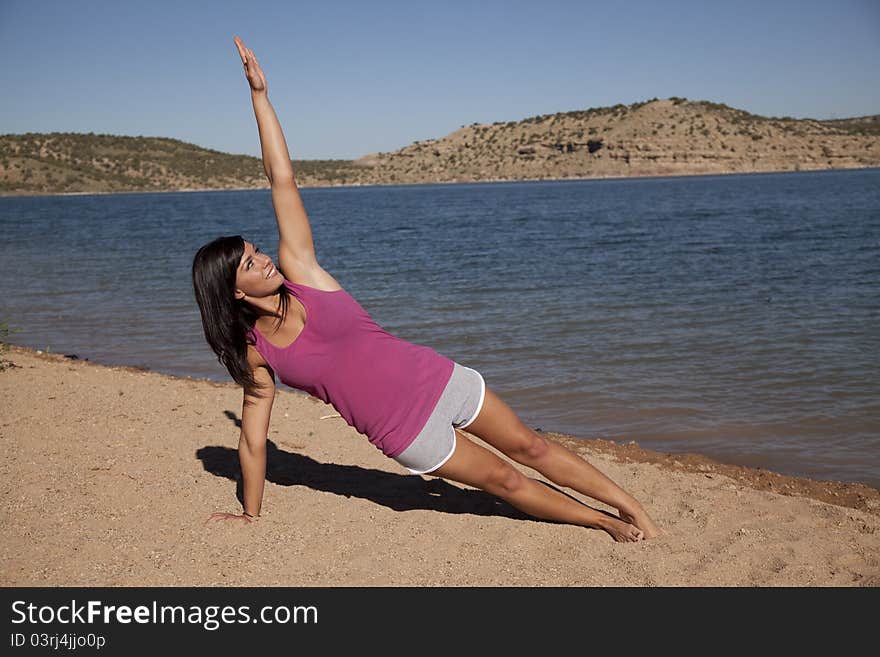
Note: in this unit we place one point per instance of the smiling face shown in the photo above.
(256, 275)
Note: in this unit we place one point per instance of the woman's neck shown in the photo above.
(266, 306)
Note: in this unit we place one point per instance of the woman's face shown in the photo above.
(256, 275)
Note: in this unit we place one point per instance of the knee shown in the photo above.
(504, 480)
(531, 448)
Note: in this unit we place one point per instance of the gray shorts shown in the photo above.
(457, 407)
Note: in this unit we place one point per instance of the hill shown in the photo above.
(674, 136)
(653, 138)
(62, 162)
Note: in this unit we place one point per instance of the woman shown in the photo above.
(409, 400)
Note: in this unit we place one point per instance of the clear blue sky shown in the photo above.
(349, 78)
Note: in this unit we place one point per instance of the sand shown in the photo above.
(110, 474)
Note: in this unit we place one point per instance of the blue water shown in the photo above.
(734, 316)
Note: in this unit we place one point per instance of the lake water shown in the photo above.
(734, 316)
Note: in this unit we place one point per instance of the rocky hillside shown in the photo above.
(654, 138)
(87, 163)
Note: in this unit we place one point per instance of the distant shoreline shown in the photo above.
(447, 182)
(656, 138)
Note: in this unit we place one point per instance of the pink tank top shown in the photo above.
(383, 386)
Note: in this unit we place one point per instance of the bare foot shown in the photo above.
(623, 532)
(640, 518)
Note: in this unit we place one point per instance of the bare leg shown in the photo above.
(477, 466)
(499, 426)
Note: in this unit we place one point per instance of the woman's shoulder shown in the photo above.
(298, 288)
(255, 358)
(313, 276)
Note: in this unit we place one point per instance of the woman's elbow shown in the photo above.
(282, 177)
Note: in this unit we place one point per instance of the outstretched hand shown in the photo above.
(255, 76)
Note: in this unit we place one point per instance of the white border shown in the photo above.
(439, 465)
(480, 405)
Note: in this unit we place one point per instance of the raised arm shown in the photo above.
(294, 231)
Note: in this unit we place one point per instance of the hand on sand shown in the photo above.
(219, 515)
(255, 76)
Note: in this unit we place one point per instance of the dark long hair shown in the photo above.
(225, 319)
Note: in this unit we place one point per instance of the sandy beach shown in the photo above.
(110, 474)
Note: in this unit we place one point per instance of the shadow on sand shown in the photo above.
(396, 491)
